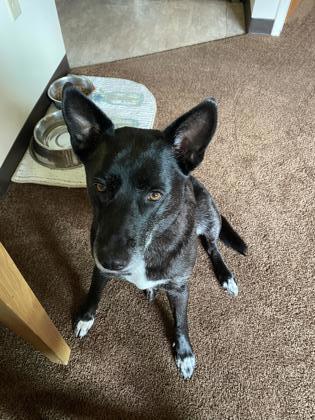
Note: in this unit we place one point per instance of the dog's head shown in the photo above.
(136, 178)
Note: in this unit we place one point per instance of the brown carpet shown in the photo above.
(255, 354)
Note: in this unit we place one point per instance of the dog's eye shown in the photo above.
(154, 196)
(100, 187)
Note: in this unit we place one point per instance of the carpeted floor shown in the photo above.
(255, 353)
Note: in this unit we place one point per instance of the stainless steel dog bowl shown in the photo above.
(51, 144)
(80, 82)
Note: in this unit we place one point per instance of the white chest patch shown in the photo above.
(138, 276)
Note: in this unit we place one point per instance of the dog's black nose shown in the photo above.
(114, 255)
(113, 264)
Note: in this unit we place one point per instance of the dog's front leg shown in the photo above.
(86, 316)
(184, 355)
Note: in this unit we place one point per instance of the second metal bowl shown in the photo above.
(80, 82)
(51, 144)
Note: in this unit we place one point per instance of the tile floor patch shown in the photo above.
(109, 30)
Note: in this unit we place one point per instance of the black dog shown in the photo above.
(148, 210)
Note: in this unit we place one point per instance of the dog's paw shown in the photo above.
(184, 356)
(82, 327)
(186, 364)
(231, 287)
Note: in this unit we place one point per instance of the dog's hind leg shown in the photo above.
(225, 278)
(208, 227)
(86, 316)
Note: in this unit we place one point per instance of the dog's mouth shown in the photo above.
(115, 272)
(108, 271)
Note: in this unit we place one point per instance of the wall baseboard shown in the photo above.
(260, 26)
(256, 26)
(22, 141)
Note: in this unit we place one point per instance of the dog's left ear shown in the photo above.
(191, 133)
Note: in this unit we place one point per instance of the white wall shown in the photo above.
(276, 10)
(264, 9)
(31, 49)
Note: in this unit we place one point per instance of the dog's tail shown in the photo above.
(231, 238)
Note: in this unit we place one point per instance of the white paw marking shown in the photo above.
(83, 327)
(150, 295)
(231, 287)
(186, 365)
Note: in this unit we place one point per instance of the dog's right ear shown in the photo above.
(87, 124)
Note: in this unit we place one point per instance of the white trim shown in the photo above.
(281, 15)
